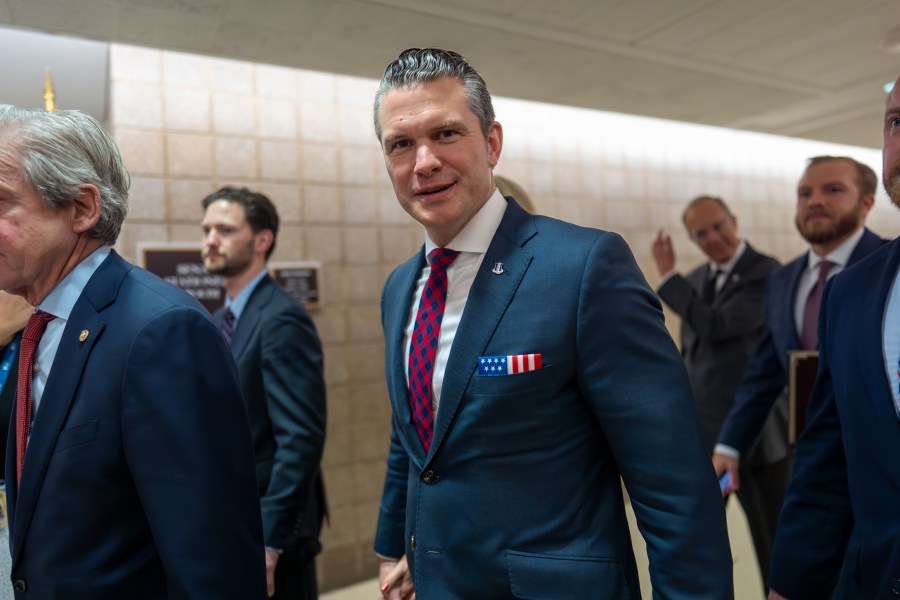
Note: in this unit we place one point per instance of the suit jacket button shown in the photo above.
(412, 542)
(428, 476)
(20, 585)
(895, 587)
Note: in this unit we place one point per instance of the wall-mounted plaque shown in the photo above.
(182, 265)
(301, 280)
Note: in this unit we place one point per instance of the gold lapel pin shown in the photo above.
(84, 335)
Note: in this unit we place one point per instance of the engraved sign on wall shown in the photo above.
(301, 280)
(182, 265)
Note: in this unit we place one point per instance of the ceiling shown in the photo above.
(806, 68)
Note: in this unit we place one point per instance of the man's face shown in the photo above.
(436, 156)
(228, 239)
(713, 230)
(35, 241)
(891, 152)
(829, 205)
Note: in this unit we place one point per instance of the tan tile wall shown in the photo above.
(189, 124)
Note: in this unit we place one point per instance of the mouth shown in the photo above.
(434, 190)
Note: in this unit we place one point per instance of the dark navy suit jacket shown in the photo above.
(767, 372)
(279, 361)
(520, 493)
(840, 518)
(138, 481)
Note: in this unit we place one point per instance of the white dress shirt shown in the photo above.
(472, 244)
(839, 257)
(891, 340)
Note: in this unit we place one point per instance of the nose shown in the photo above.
(210, 238)
(427, 161)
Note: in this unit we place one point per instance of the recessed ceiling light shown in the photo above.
(888, 87)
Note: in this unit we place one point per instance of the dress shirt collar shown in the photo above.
(728, 265)
(476, 236)
(62, 298)
(239, 302)
(840, 255)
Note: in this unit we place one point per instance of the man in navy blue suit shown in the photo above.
(839, 533)
(134, 478)
(279, 359)
(534, 375)
(834, 196)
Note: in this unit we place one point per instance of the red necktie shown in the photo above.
(423, 346)
(31, 337)
(809, 334)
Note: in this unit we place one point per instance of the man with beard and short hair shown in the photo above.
(834, 196)
(279, 358)
(838, 534)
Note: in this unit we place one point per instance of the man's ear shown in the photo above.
(264, 240)
(86, 209)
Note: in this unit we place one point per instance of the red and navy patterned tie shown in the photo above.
(423, 346)
(31, 337)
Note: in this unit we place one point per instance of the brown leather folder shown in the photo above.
(802, 366)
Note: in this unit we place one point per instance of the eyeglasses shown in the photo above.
(701, 235)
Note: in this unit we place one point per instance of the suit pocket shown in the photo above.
(552, 577)
(514, 385)
(77, 435)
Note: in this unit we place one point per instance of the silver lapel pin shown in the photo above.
(498, 269)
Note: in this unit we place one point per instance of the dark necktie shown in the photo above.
(31, 337)
(709, 290)
(227, 324)
(424, 342)
(809, 335)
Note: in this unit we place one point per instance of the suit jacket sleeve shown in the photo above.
(738, 314)
(761, 386)
(187, 444)
(635, 381)
(817, 517)
(295, 399)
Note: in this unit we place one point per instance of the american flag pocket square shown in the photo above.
(508, 365)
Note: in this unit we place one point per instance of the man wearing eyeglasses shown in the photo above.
(721, 308)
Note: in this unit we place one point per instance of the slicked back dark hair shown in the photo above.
(416, 66)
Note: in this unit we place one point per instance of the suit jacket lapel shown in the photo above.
(396, 313)
(488, 299)
(789, 322)
(65, 375)
(251, 316)
(879, 281)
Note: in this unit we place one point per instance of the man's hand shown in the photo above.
(773, 595)
(663, 253)
(723, 463)
(271, 563)
(394, 579)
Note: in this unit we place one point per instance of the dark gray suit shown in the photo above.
(717, 339)
(279, 360)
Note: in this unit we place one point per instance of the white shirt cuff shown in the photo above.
(727, 451)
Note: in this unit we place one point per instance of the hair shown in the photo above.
(701, 200)
(508, 187)
(416, 66)
(58, 152)
(259, 211)
(866, 179)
